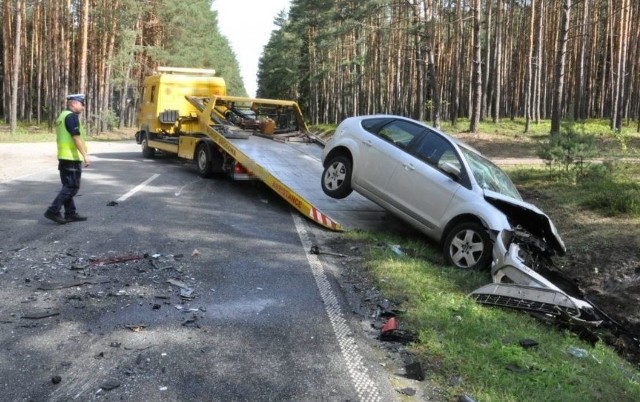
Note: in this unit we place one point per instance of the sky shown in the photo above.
(248, 25)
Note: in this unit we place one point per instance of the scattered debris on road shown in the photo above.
(136, 328)
(110, 384)
(407, 391)
(116, 259)
(72, 283)
(316, 250)
(36, 315)
(414, 371)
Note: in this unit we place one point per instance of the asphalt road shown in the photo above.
(177, 288)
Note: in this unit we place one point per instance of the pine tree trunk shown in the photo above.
(560, 66)
(580, 65)
(619, 83)
(15, 74)
(82, 75)
(487, 72)
(634, 57)
(7, 45)
(477, 70)
(498, 64)
(537, 92)
(419, 75)
(529, 78)
(125, 102)
(604, 60)
(35, 65)
(457, 68)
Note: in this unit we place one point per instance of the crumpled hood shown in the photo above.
(529, 217)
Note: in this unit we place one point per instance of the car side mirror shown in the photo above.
(450, 169)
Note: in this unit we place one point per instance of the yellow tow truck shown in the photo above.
(187, 113)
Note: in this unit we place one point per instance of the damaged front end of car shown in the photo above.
(519, 255)
(516, 285)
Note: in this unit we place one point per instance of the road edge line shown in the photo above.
(364, 385)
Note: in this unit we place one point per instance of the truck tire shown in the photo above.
(147, 152)
(204, 160)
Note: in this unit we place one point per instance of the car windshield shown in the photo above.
(489, 176)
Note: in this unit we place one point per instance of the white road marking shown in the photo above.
(364, 385)
(137, 188)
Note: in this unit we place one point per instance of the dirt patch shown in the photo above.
(603, 259)
(497, 147)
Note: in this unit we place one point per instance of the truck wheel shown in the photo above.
(147, 152)
(336, 178)
(468, 246)
(204, 159)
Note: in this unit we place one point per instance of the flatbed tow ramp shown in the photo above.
(293, 169)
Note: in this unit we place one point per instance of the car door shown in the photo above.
(420, 188)
(383, 151)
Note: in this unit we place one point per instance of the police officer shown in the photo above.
(72, 154)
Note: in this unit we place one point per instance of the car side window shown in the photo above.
(373, 125)
(436, 151)
(400, 133)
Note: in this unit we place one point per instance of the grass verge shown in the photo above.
(475, 350)
(611, 187)
(33, 133)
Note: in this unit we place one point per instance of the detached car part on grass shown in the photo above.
(517, 286)
(519, 255)
(456, 196)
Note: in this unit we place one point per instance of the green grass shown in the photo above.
(26, 133)
(41, 133)
(515, 127)
(459, 338)
(611, 188)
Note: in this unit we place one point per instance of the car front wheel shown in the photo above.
(468, 246)
(336, 178)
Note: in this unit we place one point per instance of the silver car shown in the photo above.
(439, 185)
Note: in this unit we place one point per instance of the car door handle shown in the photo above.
(367, 143)
(408, 166)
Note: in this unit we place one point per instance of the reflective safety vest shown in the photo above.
(67, 149)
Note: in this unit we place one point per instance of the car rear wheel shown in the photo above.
(468, 246)
(336, 178)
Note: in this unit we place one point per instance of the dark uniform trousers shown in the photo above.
(70, 173)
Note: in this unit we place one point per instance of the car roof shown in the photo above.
(449, 137)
